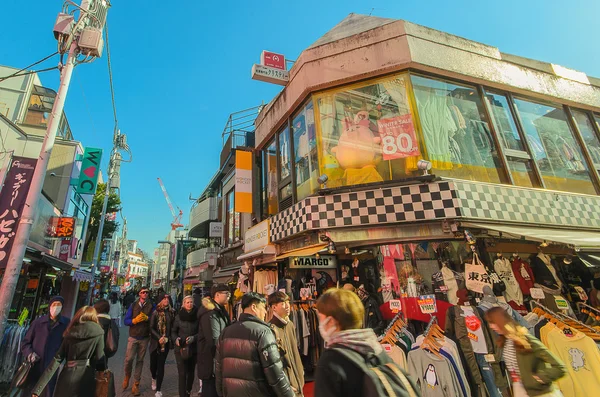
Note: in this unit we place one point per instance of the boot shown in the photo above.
(126, 382)
(135, 390)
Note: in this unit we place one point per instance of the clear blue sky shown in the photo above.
(180, 68)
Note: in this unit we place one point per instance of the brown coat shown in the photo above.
(290, 355)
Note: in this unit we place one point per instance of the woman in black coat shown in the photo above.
(161, 323)
(82, 348)
(102, 308)
(184, 334)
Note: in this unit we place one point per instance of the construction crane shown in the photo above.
(176, 217)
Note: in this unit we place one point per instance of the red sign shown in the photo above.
(273, 60)
(398, 138)
(61, 227)
(65, 249)
(104, 269)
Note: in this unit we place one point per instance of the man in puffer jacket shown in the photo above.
(248, 362)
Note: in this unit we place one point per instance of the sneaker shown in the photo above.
(153, 384)
(158, 394)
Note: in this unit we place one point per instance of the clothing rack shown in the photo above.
(561, 317)
(588, 307)
(432, 321)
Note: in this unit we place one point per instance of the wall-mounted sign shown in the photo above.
(257, 237)
(322, 262)
(90, 168)
(272, 59)
(61, 227)
(243, 181)
(215, 229)
(270, 75)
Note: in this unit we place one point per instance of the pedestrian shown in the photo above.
(213, 318)
(247, 361)
(532, 367)
(102, 308)
(185, 334)
(341, 315)
(41, 343)
(138, 321)
(161, 323)
(115, 308)
(285, 335)
(81, 350)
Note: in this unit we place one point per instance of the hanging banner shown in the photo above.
(12, 200)
(243, 181)
(65, 249)
(398, 138)
(90, 168)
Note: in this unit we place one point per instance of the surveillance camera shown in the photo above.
(323, 179)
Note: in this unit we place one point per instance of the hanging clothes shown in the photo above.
(438, 127)
(513, 292)
(523, 274)
(545, 272)
(434, 375)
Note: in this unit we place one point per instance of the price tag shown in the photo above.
(537, 293)
(472, 336)
(561, 303)
(582, 294)
(427, 304)
(387, 347)
(395, 305)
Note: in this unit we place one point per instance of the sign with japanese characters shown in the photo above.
(427, 304)
(90, 168)
(270, 75)
(12, 200)
(476, 277)
(272, 59)
(61, 227)
(398, 139)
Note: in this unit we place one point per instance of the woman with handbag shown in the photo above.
(82, 348)
(185, 333)
(160, 341)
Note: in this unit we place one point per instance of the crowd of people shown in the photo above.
(248, 356)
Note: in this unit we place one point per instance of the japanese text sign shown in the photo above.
(90, 168)
(61, 227)
(12, 200)
(427, 304)
(398, 139)
(476, 277)
(270, 75)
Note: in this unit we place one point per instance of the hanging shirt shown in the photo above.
(435, 376)
(504, 269)
(451, 284)
(474, 330)
(396, 354)
(523, 274)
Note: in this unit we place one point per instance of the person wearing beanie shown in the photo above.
(213, 318)
(41, 343)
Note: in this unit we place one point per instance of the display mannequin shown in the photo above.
(503, 267)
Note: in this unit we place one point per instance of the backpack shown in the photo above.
(112, 340)
(380, 379)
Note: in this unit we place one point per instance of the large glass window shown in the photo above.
(285, 161)
(233, 219)
(555, 150)
(585, 125)
(269, 167)
(305, 152)
(456, 133)
(40, 106)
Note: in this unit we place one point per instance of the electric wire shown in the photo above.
(18, 72)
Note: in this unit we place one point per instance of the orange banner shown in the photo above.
(243, 181)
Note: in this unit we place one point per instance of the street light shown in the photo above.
(169, 262)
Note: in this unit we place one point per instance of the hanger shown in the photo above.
(562, 321)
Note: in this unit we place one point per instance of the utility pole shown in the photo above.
(68, 33)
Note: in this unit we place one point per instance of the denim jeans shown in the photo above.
(488, 375)
(136, 349)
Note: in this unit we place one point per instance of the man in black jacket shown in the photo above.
(248, 362)
(213, 319)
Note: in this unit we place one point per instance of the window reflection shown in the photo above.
(305, 152)
(554, 148)
(233, 219)
(584, 123)
(284, 153)
(270, 179)
(505, 124)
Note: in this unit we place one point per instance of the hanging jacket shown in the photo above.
(212, 319)
(373, 317)
(543, 275)
(523, 274)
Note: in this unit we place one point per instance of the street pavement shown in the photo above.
(170, 383)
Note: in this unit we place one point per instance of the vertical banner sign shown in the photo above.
(243, 181)
(90, 168)
(65, 249)
(12, 200)
(398, 139)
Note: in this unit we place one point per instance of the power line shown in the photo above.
(26, 73)
(17, 73)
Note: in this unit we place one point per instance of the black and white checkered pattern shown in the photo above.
(536, 206)
(370, 207)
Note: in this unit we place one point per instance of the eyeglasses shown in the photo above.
(144, 292)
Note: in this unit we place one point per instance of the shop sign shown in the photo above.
(90, 168)
(272, 59)
(537, 293)
(395, 306)
(398, 138)
(104, 269)
(257, 237)
(203, 267)
(561, 303)
(243, 181)
(215, 229)
(582, 294)
(12, 200)
(270, 74)
(427, 304)
(65, 248)
(322, 262)
(61, 226)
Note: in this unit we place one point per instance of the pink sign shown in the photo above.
(65, 248)
(398, 138)
(273, 60)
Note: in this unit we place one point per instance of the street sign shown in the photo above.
(90, 168)
(272, 59)
(270, 75)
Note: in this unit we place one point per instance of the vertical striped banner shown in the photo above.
(243, 181)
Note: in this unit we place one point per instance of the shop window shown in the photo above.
(40, 106)
(305, 152)
(586, 127)
(233, 219)
(284, 154)
(269, 169)
(456, 134)
(554, 148)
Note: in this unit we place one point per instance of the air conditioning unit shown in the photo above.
(91, 42)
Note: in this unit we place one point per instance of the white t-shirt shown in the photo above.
(475, 332)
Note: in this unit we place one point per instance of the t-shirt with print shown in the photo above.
(474, 330)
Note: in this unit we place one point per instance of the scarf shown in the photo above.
(162, 320)
(363, 341)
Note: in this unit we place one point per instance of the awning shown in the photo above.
(308, 251)
(82, 275)
(223, 275)
(579, 239)
(55, 262)
(268, 250)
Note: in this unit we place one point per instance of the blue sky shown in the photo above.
(180, 68)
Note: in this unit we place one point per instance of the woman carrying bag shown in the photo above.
(82, 348)
(184, 334)
(161, 323)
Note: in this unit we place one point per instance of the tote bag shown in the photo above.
(476, 277)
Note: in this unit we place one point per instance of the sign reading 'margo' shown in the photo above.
(322, 262)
